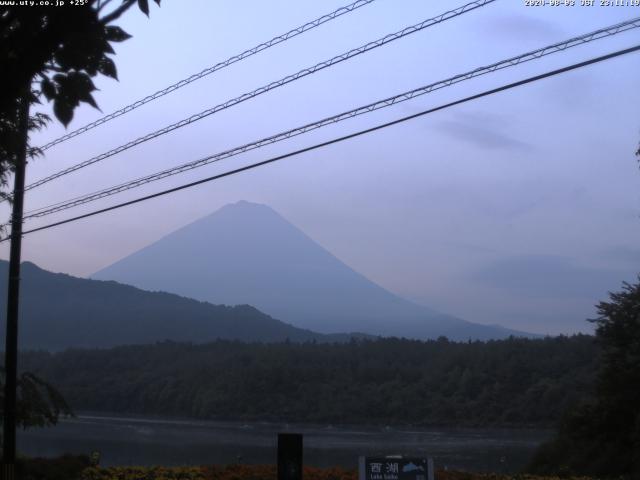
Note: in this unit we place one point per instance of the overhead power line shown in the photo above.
(208, 71)
(513, 61)
(266, 88)
(340, 139)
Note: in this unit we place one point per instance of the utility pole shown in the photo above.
(13, 297)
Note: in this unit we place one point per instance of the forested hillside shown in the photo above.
(59, 311)
(389, 381)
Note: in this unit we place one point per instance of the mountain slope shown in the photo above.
(248, 254)
(58, 311)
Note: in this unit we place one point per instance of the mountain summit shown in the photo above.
(246, 253)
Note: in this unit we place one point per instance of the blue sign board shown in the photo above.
(395, 468)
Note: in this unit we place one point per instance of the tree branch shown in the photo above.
(126, 5)
(103, 4)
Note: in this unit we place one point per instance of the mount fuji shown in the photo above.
(246, 253)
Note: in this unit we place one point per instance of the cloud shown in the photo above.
(575, 91)
(522, 26)
(548, 276)
(623, 254)
(485, 131)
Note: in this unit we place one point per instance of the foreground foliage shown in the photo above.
(144, 473)
(66, 467)
(229, 472)
(38, 404)
(77, 467)
(447, 475)
(389, 381)
(602, 437)
(267, 472)
(53, 54)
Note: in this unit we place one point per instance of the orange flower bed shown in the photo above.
(229, 472)
(267, 472)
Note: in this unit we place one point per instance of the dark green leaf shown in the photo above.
(48, 89)
(92, 64)
(81, 81)
(63, 110)
(116, 34)
(108, 68)
(79, 46)
(69, 57)
(34, 96)
(88, 98)
(76, 87)
(107, 48)
(144, 6)
(38, 121)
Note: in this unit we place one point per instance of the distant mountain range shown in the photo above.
(58, 311)
(246, 253)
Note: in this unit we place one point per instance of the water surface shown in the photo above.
(156, 441)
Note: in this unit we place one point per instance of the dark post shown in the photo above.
(289, 456)
(13, 294)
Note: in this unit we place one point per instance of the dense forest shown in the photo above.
(513, 382)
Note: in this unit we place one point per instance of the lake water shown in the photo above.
(151, 441)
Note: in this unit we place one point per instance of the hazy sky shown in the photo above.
(519, 209)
